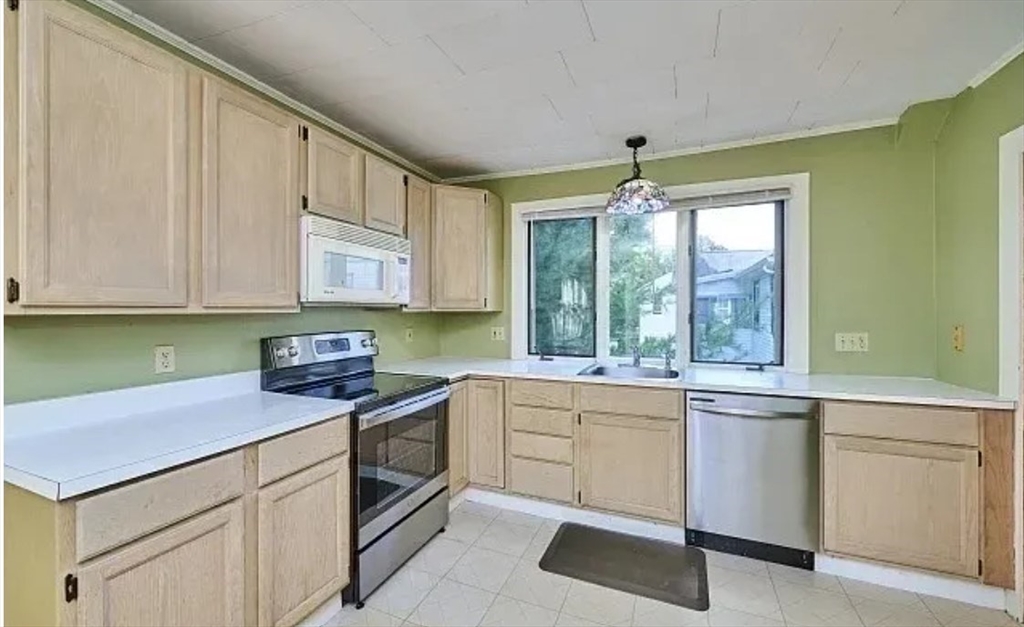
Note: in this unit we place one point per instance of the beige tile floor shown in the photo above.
(483, 571)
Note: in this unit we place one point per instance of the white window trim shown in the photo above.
(797, 265)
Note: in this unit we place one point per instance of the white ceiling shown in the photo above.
(483, 86)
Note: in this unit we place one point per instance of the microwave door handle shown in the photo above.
(392, 270)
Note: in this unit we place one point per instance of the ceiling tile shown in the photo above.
(474, 86)
(678, 30)
(310, 36)
(401, 20)
(379, 71)
(538, 28)
(510, 83)
(193, 19)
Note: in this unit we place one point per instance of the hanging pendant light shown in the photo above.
(637, 195)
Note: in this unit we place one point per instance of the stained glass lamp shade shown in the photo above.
(636, 194)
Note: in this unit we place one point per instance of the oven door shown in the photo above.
(339, 271)
(403, 461)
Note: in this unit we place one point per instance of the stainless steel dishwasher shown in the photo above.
(752, 476)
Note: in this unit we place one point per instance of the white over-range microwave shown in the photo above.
(347, 264)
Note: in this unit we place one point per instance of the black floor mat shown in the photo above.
(659, 570)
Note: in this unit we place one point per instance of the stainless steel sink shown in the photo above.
(629, 372)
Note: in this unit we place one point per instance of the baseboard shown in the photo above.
(324, 613)
(912, 581)
(580, 516)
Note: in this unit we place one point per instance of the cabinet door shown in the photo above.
(460, 226)
(385, 196)
(419, 226)
(458, 472)
(631, 465)
(900, 502)
(487, 432)
(250, 201)
(191, 574)
(104, 157)
(333, 177)
(303, 541)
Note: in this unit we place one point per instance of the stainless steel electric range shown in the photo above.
(399, 460)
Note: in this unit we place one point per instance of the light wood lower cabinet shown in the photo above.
(204, 544)
(486, 416)
(458, 468)
(303, 541)
(188, 575)
(901, 502)
(631, 465)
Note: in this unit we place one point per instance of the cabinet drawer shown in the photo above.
(113, 518)
(536, 420)
(292, 452)
(895, 422)
(556, 395)
(542, 479)
(545, 447)
(633, 401)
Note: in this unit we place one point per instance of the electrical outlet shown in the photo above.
(408, 334)
(498, 334)
(958, 338)
(852, 343)
(163, 359)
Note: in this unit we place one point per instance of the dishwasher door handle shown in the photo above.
(752, 413)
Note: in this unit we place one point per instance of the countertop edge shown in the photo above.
(908, 399)
(57, 490)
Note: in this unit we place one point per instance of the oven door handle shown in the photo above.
(387, 414)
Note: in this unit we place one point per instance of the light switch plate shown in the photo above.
(163, 359)
(498, 334)
(852, 343)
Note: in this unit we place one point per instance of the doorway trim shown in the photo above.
(1011, 328)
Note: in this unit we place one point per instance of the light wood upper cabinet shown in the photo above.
(385, 196)
(249, 201)
(420, 233)
(486, 417)
(631, 465)
(188, 575)
(458, 470)
(103, 153)
(303, 542)
(900, 502)
(467, 264)
(334, 177)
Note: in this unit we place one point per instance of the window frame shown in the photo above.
(530, 325)
(778, 321)
(794, 235)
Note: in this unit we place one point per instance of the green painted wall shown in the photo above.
(966, 225)
(47, 356)
(872, 248)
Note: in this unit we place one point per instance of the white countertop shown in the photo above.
(65, 447)
(908, 390)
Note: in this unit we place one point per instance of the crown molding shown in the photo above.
(194, 51)
(682, 152)
(987, 73)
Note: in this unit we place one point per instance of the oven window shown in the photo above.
(399, 457)
(352, 272)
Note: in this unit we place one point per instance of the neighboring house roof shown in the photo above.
(713, 262)
(718, 272)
